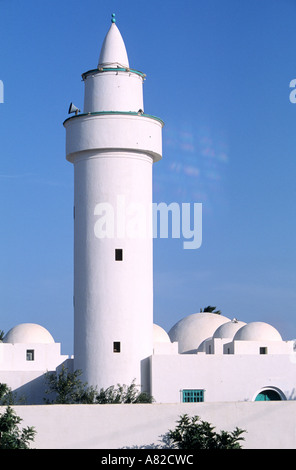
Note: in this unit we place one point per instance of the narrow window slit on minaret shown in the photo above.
(118, 254)
(116, 347)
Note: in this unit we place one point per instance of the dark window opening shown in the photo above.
(118, 254)
(263, 350)
(116, 347)
(268, 395)
(30, 355)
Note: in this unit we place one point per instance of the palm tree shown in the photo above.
(210, 309)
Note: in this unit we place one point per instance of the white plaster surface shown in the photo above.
(269, 425)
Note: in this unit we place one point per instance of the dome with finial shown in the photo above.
(229, 329)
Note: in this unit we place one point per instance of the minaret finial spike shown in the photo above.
(113, 19)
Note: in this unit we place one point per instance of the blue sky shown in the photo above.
(218, 74)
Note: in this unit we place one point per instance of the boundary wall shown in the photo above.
(269, 425)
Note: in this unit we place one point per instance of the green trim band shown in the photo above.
(113, 69)
(129, 113)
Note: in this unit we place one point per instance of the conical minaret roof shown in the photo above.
(113, 52)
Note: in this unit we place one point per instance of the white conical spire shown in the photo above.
(113, 52)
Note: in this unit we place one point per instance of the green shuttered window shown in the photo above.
(192, 396)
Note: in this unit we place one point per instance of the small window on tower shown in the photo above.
(30, 355)
(263, 350)
(116, 347)
(118, 254)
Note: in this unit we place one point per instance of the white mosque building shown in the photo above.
(112, 145)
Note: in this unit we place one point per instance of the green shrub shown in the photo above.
(192, 433)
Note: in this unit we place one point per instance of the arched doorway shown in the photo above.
(268, 394)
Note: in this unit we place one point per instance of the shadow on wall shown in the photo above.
(145, 375)
(32, 392)
(292, 395)
(163, 443)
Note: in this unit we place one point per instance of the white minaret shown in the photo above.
(113, 145)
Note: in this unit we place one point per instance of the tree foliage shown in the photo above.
(8, 397)
(11, 436)
(66, 388)
(123, 394)
(210, 309)
(193, 433)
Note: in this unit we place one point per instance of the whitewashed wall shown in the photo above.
(269, 424)
(224, 377)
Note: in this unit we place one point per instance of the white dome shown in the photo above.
(160, 335)
(228, 330)
(257, 331)
(28, 333)
(192, 330)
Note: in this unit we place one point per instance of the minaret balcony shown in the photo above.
(89, 133)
